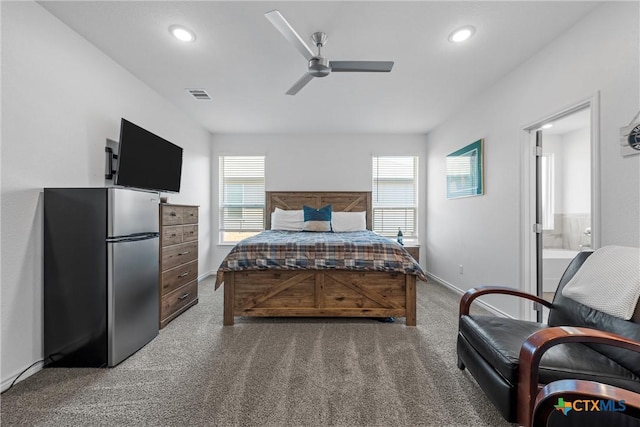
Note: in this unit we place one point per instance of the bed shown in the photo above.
(337, 286)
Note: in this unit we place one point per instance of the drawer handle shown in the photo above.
(172, 214)
(174, 235)
(184, 296)
(184, 253)
(184, 274)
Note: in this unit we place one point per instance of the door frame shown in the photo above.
(528, 193)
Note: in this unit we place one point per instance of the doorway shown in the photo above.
(565, 194)
(563, 204)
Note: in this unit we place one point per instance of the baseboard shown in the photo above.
(456, 289)
(6, 384)
(206, 275)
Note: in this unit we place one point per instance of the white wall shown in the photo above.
(61, 99)
(576, 171)
(599, 54)
(572, 169)
(317, 163)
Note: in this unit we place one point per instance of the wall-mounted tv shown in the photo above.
(147, 161)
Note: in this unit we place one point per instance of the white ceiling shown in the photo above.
(570, 123)
(246, 65)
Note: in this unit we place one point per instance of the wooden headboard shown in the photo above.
(340, 201)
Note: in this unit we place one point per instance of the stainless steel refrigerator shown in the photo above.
(100, 274)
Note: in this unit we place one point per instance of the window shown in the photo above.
(241, 197)
(395, 193)
(547, 178)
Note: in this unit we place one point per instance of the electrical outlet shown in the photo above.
(461, 269)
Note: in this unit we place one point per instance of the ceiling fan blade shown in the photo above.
(300, 84)
(362, 66)
(281, 24)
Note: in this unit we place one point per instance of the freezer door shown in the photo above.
(133, 296)
(132, 212)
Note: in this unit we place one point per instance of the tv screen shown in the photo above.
(147, 161)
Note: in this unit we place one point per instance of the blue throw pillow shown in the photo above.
(317, 219)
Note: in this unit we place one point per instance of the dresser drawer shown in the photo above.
(181, 275)
(178, 299)
(190, 215)
(172, 256)
(172, 235)
(189, 233)
(172, 215)
(178, 285)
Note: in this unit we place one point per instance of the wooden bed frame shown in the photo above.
(319, 293)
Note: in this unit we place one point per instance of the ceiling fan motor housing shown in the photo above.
(319, 67)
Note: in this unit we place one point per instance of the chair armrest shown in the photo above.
(473, 293)
(539, 342)
(581, 390)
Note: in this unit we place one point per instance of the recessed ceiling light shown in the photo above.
(547, 125)
(181, 33)
(462, 34)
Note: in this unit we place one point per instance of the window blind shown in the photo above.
(394, 192)
(241, 197)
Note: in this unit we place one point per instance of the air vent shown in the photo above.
(200, 94)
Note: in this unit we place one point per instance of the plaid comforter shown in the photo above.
(292, 250)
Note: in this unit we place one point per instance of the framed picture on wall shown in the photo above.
(465, 171)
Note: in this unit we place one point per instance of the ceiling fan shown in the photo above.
(318, 65)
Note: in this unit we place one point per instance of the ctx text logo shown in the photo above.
(590, 406)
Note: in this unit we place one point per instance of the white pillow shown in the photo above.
(348, 221)
(609, 281)
(287, 220)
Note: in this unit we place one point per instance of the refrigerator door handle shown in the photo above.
(133, 237)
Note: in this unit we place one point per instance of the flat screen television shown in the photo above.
(147, 161)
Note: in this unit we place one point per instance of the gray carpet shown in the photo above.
(270, 372)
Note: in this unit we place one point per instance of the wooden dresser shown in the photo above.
(178, 260)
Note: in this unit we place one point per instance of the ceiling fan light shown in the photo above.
(462, 34)
(182, 33)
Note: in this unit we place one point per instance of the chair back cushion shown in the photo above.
(567, 312)
(609, 281)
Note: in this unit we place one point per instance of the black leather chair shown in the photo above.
(509, 358)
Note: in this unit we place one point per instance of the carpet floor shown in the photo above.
(270, 372)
